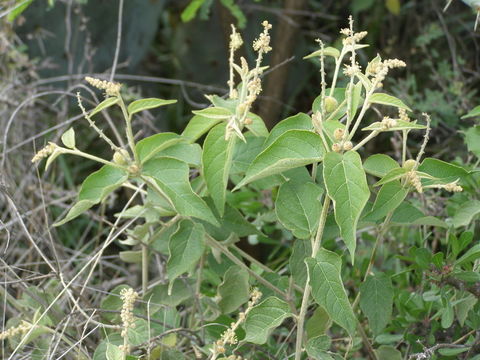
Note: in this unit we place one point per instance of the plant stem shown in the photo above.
(404, 145)
(306, 292)
(128, 128)
(214, 243)
(367, 139)
(91, 157)
(144, 268)
(338, 62)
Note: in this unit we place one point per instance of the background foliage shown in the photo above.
(178, 50)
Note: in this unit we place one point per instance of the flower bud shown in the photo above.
(347, 145)
(338, 134)
(409, 164)
(336, 147)
(331, 104)
(121, 157)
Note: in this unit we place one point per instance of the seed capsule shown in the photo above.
(121, 157)
(336, 147)
(347, 145)
(331, 104)
(338, 134)
(409, 164)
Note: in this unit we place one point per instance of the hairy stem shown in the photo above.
(224, 250)
(128, 128)
(92, 157)
(144, 269)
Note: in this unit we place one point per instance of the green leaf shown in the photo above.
(186, 247)
(464, 306)
(114, 352)
(442, 170)
(328, 51)
(298, 207)
(236, 11)
(257, 127)
(104, 104)
(216, 164)
(245, 152)
(390, 196)
(68, 138)
(472, 254)
(406, 213)
(367, 84)
(265, 317)
(346, 185)
(447, 316)
(172, 179)
(191, 10)
(147, 104)
(317, 347)
(232, 223)
(189, 153)
(453, 351)
(472, 113)
(18, 8)
(294, 148)
(376, 301)
(356, 96)
(361, 5)
(472, 138)
(96, 187)
(234, 291)
(318, 323)
(388, 352)
(218, 113)
(384, 99)
(301, 121)
(150, 146)
(301, 250)
(197, 126)
(158, 295)
(465, 213)
(392, 175)
(131, 256)
(328, 290)
(401, 125)
(379, 165)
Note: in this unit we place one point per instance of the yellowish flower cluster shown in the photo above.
(235, 39)
(249, 77)
(21, 329)
(352, 70)
(45, 152)
(262, 43)
(352, 37)
(451, 187)
(111, 88)
(402, 115)
(128, 296)
(380, 69)
(229, 337)
(388, 123)
(414, 180)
